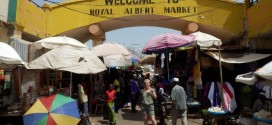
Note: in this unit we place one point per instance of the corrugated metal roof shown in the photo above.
(21, 47)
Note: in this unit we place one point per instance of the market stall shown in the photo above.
(264, 114)
(10, 80)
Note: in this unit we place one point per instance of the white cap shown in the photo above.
(175, 79)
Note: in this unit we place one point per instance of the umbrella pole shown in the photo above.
(167, 60)
(168, 66)
(221, 76)
(20, 82)
(220, 65)
(71, 76)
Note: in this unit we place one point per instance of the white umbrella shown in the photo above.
(81, 61)
(265, 71)
(109, 48)
(58, 41)
(113, 54)
(9, 58)
(117, 60)
(8, 55)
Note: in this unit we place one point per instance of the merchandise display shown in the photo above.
(263, 115)
(217, 111)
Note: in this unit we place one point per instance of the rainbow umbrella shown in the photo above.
(53, 110)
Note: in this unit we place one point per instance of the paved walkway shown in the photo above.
(125, 117)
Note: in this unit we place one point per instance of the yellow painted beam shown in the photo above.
(31, 18)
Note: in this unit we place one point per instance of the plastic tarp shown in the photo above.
(233, 58)
(265, 71)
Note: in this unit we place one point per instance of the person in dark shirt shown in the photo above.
(134, 92)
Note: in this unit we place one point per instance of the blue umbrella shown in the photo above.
(134, 58)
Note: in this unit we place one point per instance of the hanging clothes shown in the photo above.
(267, 91)
(158, 61)
(197, 78)
(207, 89)
(162, 60)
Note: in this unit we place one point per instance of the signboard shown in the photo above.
(142, 7)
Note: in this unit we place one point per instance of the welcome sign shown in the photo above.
(140, 7)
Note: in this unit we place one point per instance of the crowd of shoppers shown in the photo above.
(138, 89)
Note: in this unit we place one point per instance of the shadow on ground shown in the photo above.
(102, 122)
(128, 115)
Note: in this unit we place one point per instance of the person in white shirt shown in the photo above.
(83, 101)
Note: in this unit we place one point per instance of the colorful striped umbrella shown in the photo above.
(53, 110)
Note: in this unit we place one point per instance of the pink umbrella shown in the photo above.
(162, 43)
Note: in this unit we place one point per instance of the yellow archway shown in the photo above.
(73, 18)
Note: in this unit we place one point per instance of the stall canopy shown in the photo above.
(206, 40)
(237, 58)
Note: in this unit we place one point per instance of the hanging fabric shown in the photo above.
(162, 60)
(229, 102)
(214, 94)
(158, 61)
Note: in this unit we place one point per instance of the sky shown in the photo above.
(135, 37)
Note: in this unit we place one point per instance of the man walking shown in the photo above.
(134, 95)
(178, 97)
